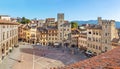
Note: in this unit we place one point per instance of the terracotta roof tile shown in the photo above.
(108, 60)
(7, 22)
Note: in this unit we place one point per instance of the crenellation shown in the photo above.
(108, 33)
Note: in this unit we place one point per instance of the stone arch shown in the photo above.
(16, 40)
(7, 46)
(3, 51)
(66, 44)
(12, 41)
(95, 53)
(73, 45)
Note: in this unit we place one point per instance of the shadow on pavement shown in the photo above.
(16, 60)
(52, 54)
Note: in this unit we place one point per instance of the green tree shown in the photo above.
(74, 25)
(25, 20)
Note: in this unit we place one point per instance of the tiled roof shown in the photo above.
(94, 26)
(40, 29)
(7, 22)
(75, 31)
(108, 60)
(51, 28)
(65, 24)
(83, 34)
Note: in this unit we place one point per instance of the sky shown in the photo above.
(73, 9)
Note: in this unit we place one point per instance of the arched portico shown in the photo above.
(3, 51)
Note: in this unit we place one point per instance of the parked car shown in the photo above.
(89, 54)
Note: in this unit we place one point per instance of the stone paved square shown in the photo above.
(38, 57)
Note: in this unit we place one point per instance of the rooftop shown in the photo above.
(8, 22)
(94, 27)
(5, 15)
(108, 60)
(75, 31)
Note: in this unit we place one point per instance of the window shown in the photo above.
(55, 38)
(105, 41)
(99, 40)
(93, 39)
(96, 33)
(96, 40)
(52, 38)
(88, 45)
(93, 33)
(67, 29)
(89, 32)
(3, 35)
(99, 33)
(7, 34)
(3, 26)
(89, 39)
(99, 48)
(96, 47)
(93, 46)
(105, 34)
(60, 34)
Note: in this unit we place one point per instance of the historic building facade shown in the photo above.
(82, 41)
(49, 33)
(42, 36)
(74, 37)
(64, 30)
(8, 37)
(99, 36)
(52, 36)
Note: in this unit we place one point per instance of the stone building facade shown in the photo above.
(64, 30)
(52, 36)
(74, 37)
(94, 39)
(82, 41)
(99, 36)
(51, 32)
(42, 36)
(8, 37)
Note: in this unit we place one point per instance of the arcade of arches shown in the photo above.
(7, 45)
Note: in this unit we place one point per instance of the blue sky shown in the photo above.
(73, 9)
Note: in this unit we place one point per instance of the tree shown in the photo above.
(24, 20)
(74, 25)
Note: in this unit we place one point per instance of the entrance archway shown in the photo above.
(7, 46)
(72, 45)
(3, 51)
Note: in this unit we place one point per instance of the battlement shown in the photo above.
(105, 22)
(108, 22)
